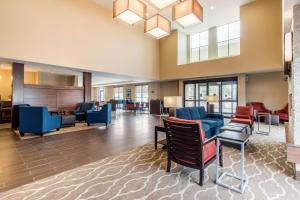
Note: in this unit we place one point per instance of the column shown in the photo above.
(294, 84)
(17, 83)
(87, 86)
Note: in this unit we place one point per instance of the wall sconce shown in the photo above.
(288, 53)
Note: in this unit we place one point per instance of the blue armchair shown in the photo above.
(102, 116)
(82, 109)
(211, 123)
(37, 120)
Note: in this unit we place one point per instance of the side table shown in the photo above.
(159, 128)
(235, 138)
(266, 115)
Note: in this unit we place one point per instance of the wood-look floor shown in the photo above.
(25, 161)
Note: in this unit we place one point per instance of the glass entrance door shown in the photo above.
(214, 89)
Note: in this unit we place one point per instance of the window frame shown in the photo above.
(143, 95)
(197, 101)
(120, 94)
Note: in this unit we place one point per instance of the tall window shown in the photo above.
(141, 93)
(199, 46)
(118, 93)
(226, 89)
(101, 95)
(229, 39)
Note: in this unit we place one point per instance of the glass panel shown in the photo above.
(190, 92)
(204, 39)
(214, 90)
(204, 53)
(229, 91)
(189, 103)
(234, 47)
(195, 55)
(195, 40)
(203, 104)
(234, 30)
(222, 32)
(202, 88)
(223, 49)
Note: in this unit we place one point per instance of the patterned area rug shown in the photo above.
(77, 127)
(140, 174)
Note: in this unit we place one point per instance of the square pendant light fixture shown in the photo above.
(188, 12)
(157, 26)
(129, 11)
(161, 4)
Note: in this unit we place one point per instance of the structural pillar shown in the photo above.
(294, 85)
(17, 83)
(87, 86)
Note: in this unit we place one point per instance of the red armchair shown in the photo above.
(283, 113)
(243, 115)
(187, 145)
(259, 107)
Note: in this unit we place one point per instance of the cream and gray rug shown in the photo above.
(140, 174)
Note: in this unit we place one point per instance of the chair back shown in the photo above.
(184, 142)
(107, 109)
(15, 115)
(32, 117)
(244, 112)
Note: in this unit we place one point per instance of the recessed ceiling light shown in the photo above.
(211, 7)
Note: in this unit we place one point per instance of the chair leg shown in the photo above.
(221, 156)
(106, 124)
(169, 163)
(57, 129)
(22, 134)
(201, 178)
(41, 134)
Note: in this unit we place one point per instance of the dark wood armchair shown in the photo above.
(187, 146)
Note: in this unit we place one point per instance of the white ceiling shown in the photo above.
(225, 11)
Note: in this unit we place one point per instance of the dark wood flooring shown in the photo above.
(25, 161)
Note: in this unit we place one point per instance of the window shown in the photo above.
(141, 93)
(118, 93)
(101, 95)
(226, 89)
(229, 39)
(199, 46)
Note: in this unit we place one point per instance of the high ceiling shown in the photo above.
(225, 11)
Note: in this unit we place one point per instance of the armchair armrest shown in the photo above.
(217, 116)
(214, 138)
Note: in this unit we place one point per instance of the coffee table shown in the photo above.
(235, 138)
(235, 127)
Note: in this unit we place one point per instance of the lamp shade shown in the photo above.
(173, 101)
(157, 26)
(188, 12)
(212, 99)
(161, 4)
(129, 11)
(288, 47)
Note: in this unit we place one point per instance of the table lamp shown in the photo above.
(172, 102)
(210, 100)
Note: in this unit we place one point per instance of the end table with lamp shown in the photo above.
(210, 101)
(172, 102)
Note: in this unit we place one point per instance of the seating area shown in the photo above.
(150, 99)
(50, 121)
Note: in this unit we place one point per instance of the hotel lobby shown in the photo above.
(148, 99)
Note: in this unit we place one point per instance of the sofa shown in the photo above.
(211, 123)
(283, 113)
(103, 116)
(37, 120)
(82, 109)
(15, 115)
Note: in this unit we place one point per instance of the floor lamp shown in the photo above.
(172, 102)
(210, 100)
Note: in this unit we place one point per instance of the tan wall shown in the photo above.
(170, 88)
(77, 34)
(269, 88)
(261, 46)
(30, 77)
(5, 84)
